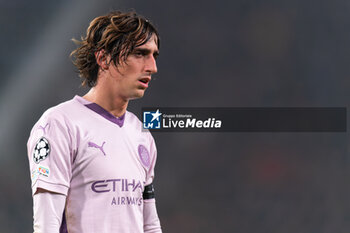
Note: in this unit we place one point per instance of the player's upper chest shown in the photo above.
(108, 151)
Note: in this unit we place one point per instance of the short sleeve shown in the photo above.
(50, 154)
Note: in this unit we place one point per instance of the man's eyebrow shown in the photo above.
(146, 51)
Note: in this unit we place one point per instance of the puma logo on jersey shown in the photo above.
(92, 144)
(44, 128)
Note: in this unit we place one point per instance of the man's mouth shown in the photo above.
(145, 81)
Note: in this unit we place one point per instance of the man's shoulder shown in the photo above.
(133, 122)
(55, 117)
(132, 118)
(61, 113)
(61, 110)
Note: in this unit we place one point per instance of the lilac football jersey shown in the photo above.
(100, 162)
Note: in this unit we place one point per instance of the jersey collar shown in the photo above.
(101, 111)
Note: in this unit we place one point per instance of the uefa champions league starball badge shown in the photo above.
(41, 150)
(144, 156)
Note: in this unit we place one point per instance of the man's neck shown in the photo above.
(116, 106)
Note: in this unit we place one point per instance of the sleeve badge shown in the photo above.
(41, 150)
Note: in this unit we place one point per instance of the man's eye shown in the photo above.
(139, 54)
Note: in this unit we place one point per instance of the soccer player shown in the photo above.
(92, 166)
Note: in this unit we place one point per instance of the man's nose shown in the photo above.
(151, 65)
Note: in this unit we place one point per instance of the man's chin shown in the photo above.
(138, 95)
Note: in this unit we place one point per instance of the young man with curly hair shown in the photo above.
(92, 167)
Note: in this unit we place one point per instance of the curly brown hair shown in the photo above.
(118, 34)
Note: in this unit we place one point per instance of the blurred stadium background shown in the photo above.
(285, 53)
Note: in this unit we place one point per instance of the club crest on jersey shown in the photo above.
(41, 150)
(144, 156)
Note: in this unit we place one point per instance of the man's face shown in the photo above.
(132, 77)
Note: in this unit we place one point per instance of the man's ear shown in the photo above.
(101, 59)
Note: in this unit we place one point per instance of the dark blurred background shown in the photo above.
(240, 53)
